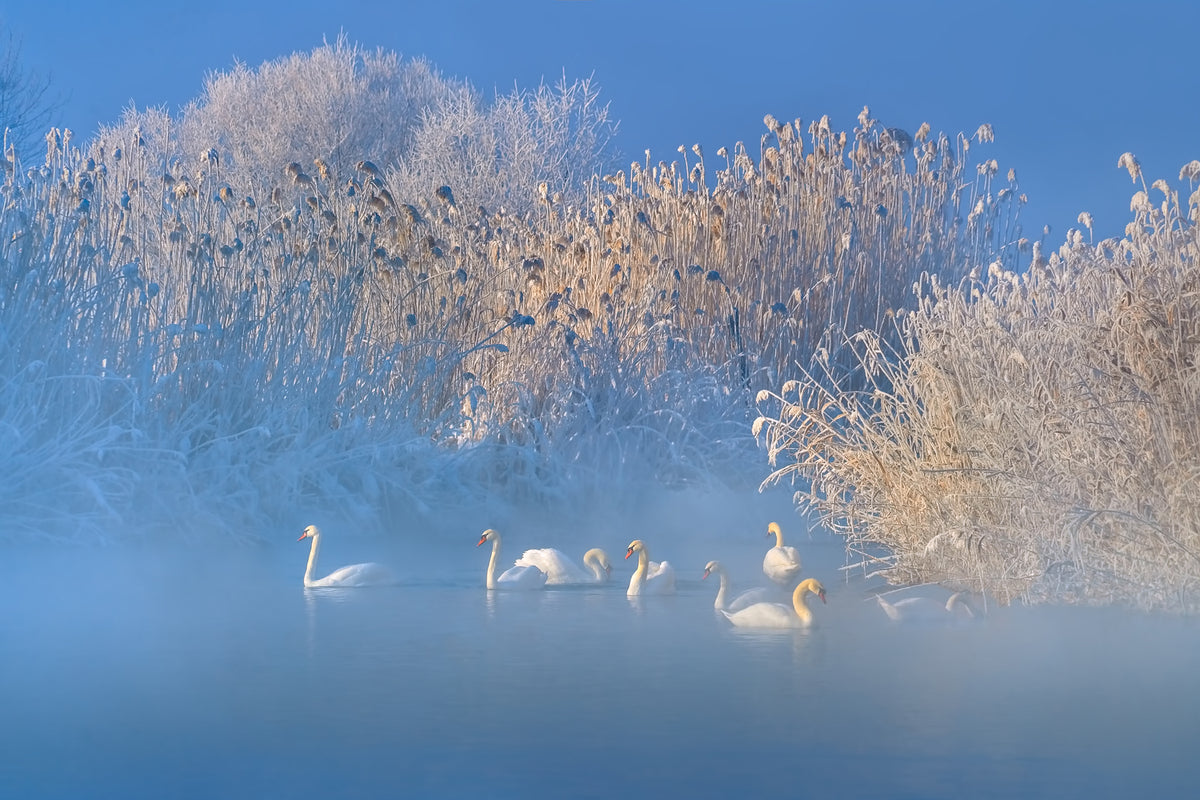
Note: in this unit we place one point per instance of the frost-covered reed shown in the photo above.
(1034, 435)
(187, 344)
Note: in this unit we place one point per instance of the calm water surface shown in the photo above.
(214, 674)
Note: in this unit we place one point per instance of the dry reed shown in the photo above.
(1034, 436)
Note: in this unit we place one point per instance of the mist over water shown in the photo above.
(211, 672)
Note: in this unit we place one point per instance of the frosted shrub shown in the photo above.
(340, 105)
(336, 104)
(1036, 434)
(512, 153)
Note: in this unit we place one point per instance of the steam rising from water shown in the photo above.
(209, 671)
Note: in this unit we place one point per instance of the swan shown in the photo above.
(742, 600)
(781, 563)
(649, 577)
(369, 574)
(560, 569)
(926, 608)
(523, 577)
(777, 615)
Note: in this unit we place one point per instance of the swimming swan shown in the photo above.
(513, 577)
(777, 615)
(781, 563)
(649, 577)
(926, 608)
(561, 570)
(355, 575)
(722, 603)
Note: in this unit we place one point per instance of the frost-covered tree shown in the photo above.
(25, 99)
(520, 149)
(342, 104)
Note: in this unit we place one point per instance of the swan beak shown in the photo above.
(706, 574)
(608, 569)
(821, 594)
(628, 553)
(303, 536)
(482, 539)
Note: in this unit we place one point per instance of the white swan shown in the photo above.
(723, 603)
(355, 575)
(926, 608)
(561, 570)
(650, 577)
(777, 615)
(514, 577)
(781, 563)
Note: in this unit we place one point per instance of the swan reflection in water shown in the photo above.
(314, 596)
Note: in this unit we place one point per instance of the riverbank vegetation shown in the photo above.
(1034, 434)
(343, 284)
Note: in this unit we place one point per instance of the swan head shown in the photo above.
(774, 530)
(957, 602)
(600, 557)
(312, 531)
(487, 536)
(711, 567)
(811, 585)
(636, 546)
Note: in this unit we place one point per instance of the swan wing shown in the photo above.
(782, 564)
(369, 574)
(749, 598)
(660, 568)
(521, 578)
(764, 615)
(559, 568)
(661, 578)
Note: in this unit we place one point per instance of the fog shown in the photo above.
(179, 670)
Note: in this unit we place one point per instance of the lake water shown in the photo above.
(214, 674)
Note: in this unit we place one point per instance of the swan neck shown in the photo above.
(591, 560)
(643, 563)
(312, 558)
(491, 570)
(639, 575)
(778, 536)
(722, 593)
(802, 610)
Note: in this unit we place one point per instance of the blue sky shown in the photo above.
(1068, 86)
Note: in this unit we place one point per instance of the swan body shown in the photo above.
(777, 615)
(781, 563)
(355, 575)
(650, 577)
(517, 577)
(926, 608)
(561, 570)
(723, 603)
